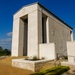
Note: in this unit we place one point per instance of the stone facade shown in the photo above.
(34, 25)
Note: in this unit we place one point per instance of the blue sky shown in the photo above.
(64, 9)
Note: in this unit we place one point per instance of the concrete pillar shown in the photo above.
(47, 29)
(34, 32)
(71, 35)
(21, 38)
(17, 38)
(39, 27)
(71, 51)
(39, 31)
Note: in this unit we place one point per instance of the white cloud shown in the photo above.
(9, 34)
(5, 41)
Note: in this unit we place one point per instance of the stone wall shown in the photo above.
(59, 33)
(47, 51)
(34, 66)
(71, 51)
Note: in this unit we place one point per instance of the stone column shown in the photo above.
(39, 31)
(17, 38)
(34, 32)
(71, 35)
(21, 38)
(47, 29)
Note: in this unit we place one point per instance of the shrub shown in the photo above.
(50, 74)
(34, 58)
(62, 70)
(65, 57)
(54, 71)
(43, 58)
(26, 58)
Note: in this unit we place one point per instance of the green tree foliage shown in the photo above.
(4, 52)
(1, 48)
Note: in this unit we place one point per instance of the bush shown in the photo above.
(62, 70)
(26, 58)
(65, 57)
(43, 58)
(50, 73)
(34, 58)
(54, 71)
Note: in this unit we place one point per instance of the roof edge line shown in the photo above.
(55, 16)
(47, 11)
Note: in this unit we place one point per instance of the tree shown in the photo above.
(1, 48)
(7, 52)
(4, 52)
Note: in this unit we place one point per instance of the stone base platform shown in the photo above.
(66, 63)
(34, 66)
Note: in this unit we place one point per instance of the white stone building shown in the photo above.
(38, 32)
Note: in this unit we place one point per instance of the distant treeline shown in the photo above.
(4, 52)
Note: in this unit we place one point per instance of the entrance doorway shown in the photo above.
(25, 41)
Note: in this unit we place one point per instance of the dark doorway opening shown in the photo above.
(25, 40)
(44, 35)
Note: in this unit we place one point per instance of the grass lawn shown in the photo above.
(8, 60)
(7, 69)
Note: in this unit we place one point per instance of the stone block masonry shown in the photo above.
(34, 66)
